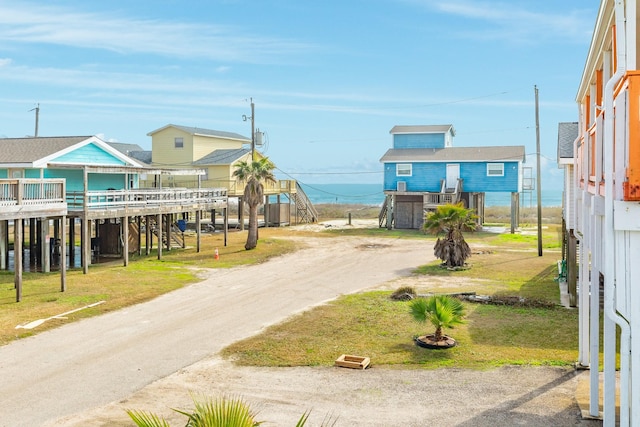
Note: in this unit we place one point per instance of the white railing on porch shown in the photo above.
(144, 197)
(26, 191)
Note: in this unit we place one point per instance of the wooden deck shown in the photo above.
(32, 198)
(145, 201)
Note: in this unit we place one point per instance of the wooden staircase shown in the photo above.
(382, 216)
(177, 238)
(305, 211)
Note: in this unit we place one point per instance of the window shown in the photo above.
(495, 169)
(403, 169)
(178, 142)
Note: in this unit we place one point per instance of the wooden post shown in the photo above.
(32, 240)
(198, 231)
(63, 254)
(139, 225)
(390, 203)
(513, 213)
(85, 245)
(17, 257)
(85, 235)
(226, 224)
(167, 224)
(72, 242)
(4, 244)
(240, 214)
(148, 236)
(159, 227)
(45, 245)
(125, 240)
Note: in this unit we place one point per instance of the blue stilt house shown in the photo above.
(423, 170)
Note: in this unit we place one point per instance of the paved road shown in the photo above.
(95, 361)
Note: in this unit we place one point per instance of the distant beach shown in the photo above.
(372, 194)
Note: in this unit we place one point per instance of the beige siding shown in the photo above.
(203, 145)
(164, 152)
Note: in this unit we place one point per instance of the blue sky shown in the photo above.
(329, 79)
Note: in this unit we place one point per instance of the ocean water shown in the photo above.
(372, 194)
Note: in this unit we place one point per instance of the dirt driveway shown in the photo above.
(152, 356)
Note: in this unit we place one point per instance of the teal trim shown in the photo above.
(90, 154)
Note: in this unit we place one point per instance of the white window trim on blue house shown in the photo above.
(495, 169)
(404, 169)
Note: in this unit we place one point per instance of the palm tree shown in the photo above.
(253, 174)
(215, 412)
(451, 220)
(208, 412)
(442, 311)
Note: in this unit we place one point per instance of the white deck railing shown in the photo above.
(144, 197)
(31, 192)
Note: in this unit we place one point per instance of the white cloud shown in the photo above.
(30, 23)
(4, 62)
(514, 23)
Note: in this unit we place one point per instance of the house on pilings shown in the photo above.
(423, 170)
(52, 186)
(217, 152)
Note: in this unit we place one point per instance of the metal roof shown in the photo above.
(204, 132)
(423, 129)
(225, 156)
(456, 154)
(29, 150)
(567, 134)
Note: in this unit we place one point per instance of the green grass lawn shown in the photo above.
(372, 324)
(369, 324)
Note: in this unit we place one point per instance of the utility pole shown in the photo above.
(253, 132)
(37, 110)
(539, 184)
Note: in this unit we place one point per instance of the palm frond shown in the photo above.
(147, 419)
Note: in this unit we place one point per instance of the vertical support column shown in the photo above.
(32, 240)
(85, 245)
(513, 212)
(63, 254)
(391, 201)
(148, 235)
(139, 224)
(167, 224)
(4, 244)
(72, 242)
(594, 324)
(85, 238)
(17, 257)
(125, 240)
(213, 219)
(45, 255)
(571, 269)
(226, 223)
(266, 211)
(198, 231)
(159, 227)
(240, 214)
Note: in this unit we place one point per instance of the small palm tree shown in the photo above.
(254, 174)
(221, 412)
(215, 412)
(442, 311)
(451, 220)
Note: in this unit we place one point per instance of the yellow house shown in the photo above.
(213, 151)
(217, 153)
